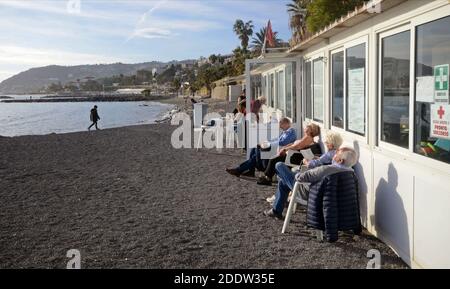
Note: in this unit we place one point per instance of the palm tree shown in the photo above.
(258, 40)
(297, 21)
(243, 31)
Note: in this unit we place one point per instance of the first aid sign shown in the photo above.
(441, 83)
(440, 121)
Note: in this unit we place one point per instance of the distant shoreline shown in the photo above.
(109, 98)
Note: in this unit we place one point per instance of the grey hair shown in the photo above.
(285, 120)
(348, 156)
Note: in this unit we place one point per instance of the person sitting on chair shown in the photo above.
(307, 141)
(344, 159)
(255, 162)
(333, 141)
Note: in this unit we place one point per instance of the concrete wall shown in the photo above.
(220, 92)
(233, 92)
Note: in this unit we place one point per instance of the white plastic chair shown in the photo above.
(289, 155)
(296, 198)
(209, 128)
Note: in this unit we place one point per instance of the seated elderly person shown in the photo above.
(344, 159)
(248, 167)
(307, 141)
(333, 141)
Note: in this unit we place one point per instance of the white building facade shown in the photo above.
(380, 77)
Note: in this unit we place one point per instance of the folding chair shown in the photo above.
(296, 198)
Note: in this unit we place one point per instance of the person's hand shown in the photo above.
(305, 162)
(282, 152)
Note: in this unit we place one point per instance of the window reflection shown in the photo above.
(395, 89)
(318, 89)
(356, 94)
(308, 90)
(338, 89)
(432, 51)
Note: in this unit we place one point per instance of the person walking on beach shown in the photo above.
(94, 118)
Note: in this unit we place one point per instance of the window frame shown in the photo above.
(380, 37)
(344, 116)
(289, 88)
(311, 59)
(428, 16)
(351, 44)
(321, 61)
(342, 47)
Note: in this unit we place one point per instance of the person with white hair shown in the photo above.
(333, 141)
(344, 159)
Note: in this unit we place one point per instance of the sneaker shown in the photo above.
(271, 199)
(264, 181)
(233, 172)
(249, 174)
(272, 214)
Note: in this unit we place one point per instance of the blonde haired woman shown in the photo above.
(333, 141)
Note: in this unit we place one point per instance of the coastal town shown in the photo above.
(325, 146)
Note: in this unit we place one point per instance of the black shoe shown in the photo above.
(249, 174)
(272, 214)
(264, 181)
(233, 172)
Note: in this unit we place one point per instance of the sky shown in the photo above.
(36, 33)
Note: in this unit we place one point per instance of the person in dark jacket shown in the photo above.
(344, 159)
(94, 118)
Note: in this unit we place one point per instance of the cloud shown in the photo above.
(63, 8)
(150, 26)
(151, 33)
(32, 57)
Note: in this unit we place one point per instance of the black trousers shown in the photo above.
(296, 159)
(94, 123)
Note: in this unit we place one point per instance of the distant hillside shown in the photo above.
(32, 80)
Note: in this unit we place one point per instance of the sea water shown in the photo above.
(18, 119)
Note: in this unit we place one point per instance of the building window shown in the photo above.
(294, 92)
(271, 90)
(308, 93)
(280, 88)
(395, 89)
(289, 90)
(356, 89)
(318, 90)
(265, 86)
(338, 89)
(432, 109)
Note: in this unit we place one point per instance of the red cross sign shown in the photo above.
(440, 121)
(441, 112)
